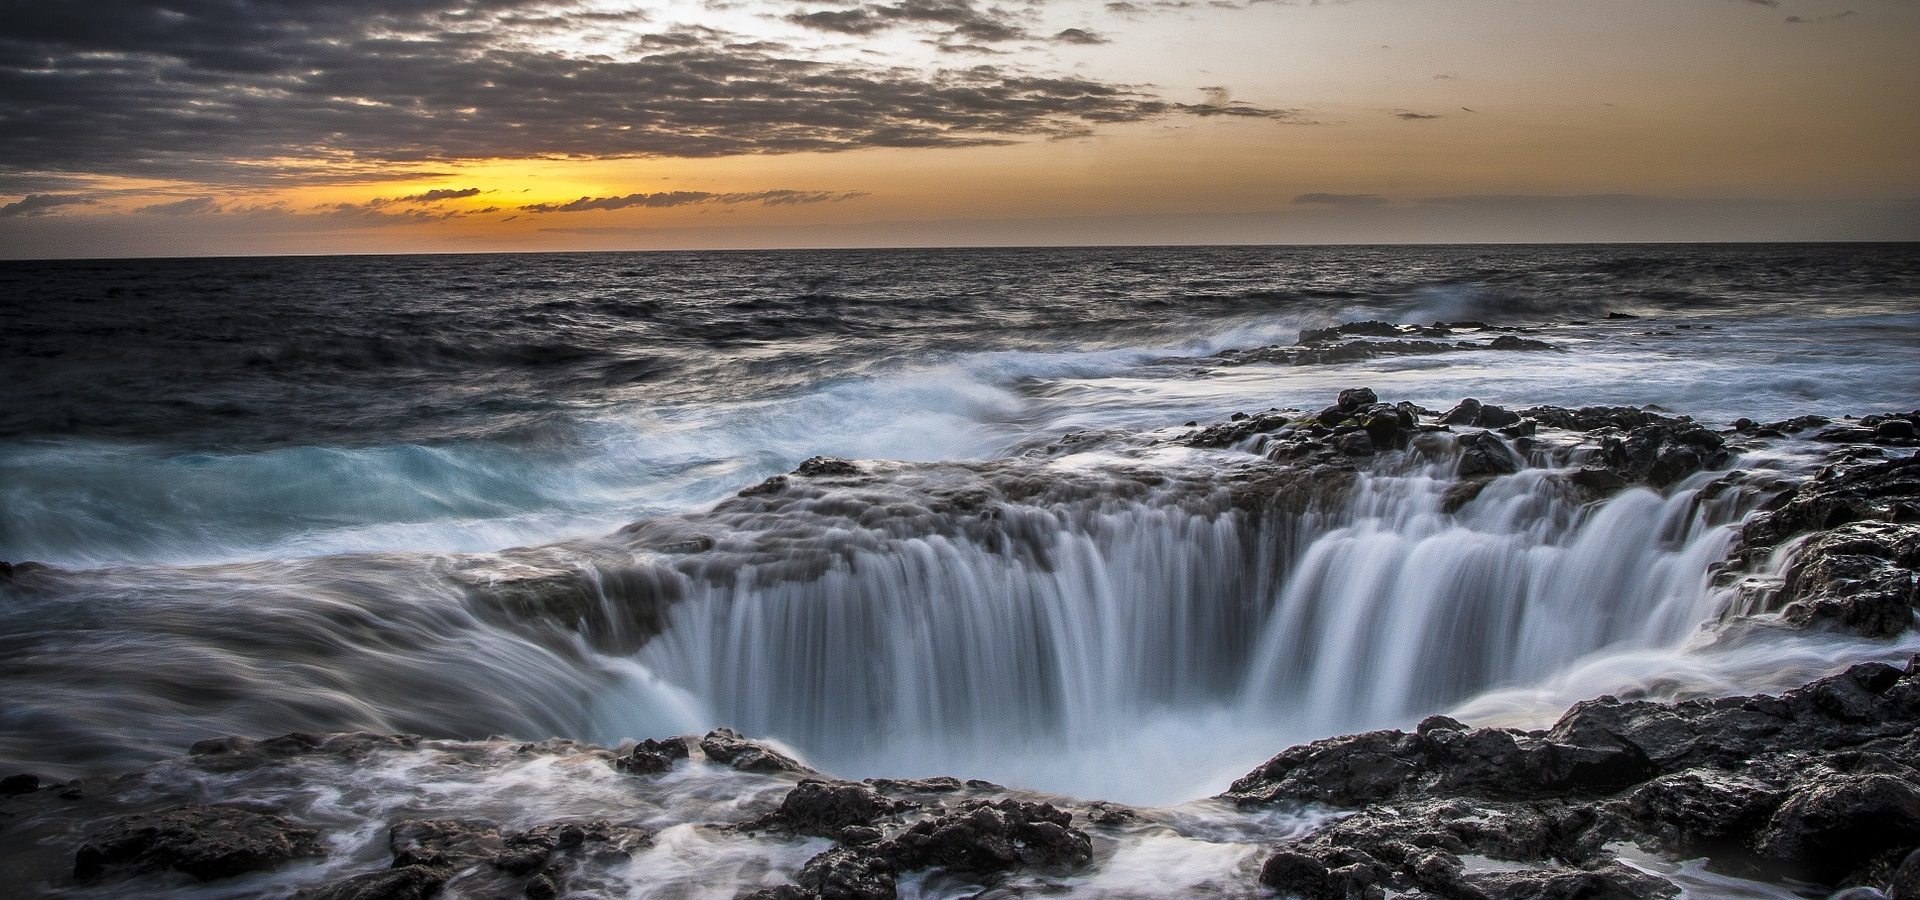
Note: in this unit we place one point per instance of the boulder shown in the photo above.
(726, 747)
(206, 842)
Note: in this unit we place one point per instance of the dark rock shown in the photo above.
(1511, 342)
(1905, 884)
(1481, 453)
(1838, 824)
(1858, 578)
(1302, 875)
(1353, 399)
(206, 842)
(1467, 412)
(1621, 315)
(848, 874)
(1705, 812)
(727, 747)
(828, 808)
(15, 785)
(1354, 443)
(1354, 329)
(819, 466)
(526, 852)
(443, 843)
(987, 837)
(651, 757)
(1895, 430)
(403, 883)
(1845, 434)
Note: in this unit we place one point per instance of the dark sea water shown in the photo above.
(316, 493)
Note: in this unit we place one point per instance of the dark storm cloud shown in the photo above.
(42, 204)
(691, 198)
(1347, 200)
(253, 92)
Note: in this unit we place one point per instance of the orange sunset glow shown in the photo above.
(193, 128)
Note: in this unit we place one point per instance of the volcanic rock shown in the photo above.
(206, 842)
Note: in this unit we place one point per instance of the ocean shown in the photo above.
(529, 496)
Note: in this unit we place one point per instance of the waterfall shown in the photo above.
(1127, 634)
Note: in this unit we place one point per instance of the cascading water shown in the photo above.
(1086, 656)
(1128, 622)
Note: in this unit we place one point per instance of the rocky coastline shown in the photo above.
(1817, 789)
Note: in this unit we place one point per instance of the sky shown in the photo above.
(239, 127)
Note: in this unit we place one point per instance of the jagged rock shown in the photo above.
(1511, 342)
(651, 757)
(402, 883)
(1839, 824)
(987, 837)
(1466, 412)
(1858, 578)
(1905, 884)
(1886, 491)
(1705, 812)
(443, 843)
(1355, 398)
(1481, 453)
(829, 808)
(848, 874)
(727, 747)
(980, 840)
(1816, 783)
(206, 842)
(819, 466)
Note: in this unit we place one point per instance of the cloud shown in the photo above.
(192, 206)
(960, 20)
(1079, 36)
(42, 204)
(433, 196)
(342, 90)
(690, 198)
(1414, 116)
(1801, 20)
(1344, 200)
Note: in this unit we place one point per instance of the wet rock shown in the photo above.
(1511, 342)
(1353, 443)
(1466, 412)
(727, 747)
(1839, 824)
(1299, 874)
(848, 874)
(206, 842)
(1887, 491)
(820, 466)
(1354, 398)
(403, 883)
(1481, 453)
(1370, 328)
(443, 843)
(15, 785)
(829, 808)
(1905, 884)
(527, 852)
(1817, 783)
(1858, 578)
(988, 837)
(1895, 430)
(652, 757)
(1705, 812)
